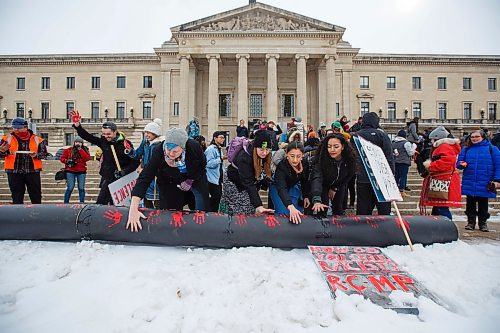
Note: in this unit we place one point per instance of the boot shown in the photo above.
(483, 226)
(471, 224)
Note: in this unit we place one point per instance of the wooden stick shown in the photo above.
(403, 226)
(116, 158)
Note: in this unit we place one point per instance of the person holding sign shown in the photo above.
(441, 187)
(290, 183)
(114, 162)
(367, 199)
(334, 166)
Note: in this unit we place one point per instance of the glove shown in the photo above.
(435, 158)
(185, 185)
(119, 174)
(127, 146)
(70, 163)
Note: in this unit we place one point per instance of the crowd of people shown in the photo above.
(305, 171)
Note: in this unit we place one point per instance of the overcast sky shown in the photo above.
(130, 26)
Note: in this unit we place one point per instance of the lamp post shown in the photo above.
(131, 112)
(380, 112)
(106, 112)
(5, 113)
(406, 113)
(482, 113)
(30, 113)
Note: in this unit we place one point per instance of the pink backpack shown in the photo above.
(234, 147)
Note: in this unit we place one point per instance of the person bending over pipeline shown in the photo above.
(179, 165)
(334, 166)
(291, 183)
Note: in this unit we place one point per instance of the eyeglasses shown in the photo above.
(476, 137)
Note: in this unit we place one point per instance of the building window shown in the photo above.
(467, 83)
(45, 137)
(256, 105)
(45, 107)
(467, 110)
(417, 109)
(147, 110)
(68, 139)
(70, 106)
(147, 82)
(365, 108)
(441, 83)
(120, 110)
(337, 109)
(492, 84)
(94, 110)
(391, 110)
(224, 105)
(492, 111)
(20, 109)
(21, 83)
(442, 111)
(391, 82)
(120, 81)
(364, 82)
(416, 83)
(45, 83)
(70, 82)
(96, 82)
(287, 105)
(176, 108)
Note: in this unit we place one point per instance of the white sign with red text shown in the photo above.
(121, 189)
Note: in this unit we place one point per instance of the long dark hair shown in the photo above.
(348, 153)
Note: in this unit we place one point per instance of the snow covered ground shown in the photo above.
(94, 287)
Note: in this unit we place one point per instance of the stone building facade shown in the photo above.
(253, 62)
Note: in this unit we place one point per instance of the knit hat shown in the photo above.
(402, 133)
(311, 135)
(298, 119)
(439, 133)
(262, 140)
(176, 136)
(19, 122)
(77, 139)
(154, 127)
(322, 124)
(336, 124)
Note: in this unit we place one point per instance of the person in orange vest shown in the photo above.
(23, 152)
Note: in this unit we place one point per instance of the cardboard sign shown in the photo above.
(378, 170)
(371, 273)
(121, 189)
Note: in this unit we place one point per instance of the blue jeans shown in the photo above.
(279, 207)
(70, 185)
(401, 175)
(442, 211)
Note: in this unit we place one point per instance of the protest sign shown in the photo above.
(371, 273)
(378, 170)
(121, 189)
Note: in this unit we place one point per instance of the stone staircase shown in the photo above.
(53, 192)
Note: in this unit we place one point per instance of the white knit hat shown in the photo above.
(154, 127)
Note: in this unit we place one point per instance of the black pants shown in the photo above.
(215, 195)
(367, 200)
(477, 207)
(104, 197)
(352, 190)
(19, 182)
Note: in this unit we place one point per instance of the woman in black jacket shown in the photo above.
(249, 172)
(291, 183)
(179, 165)
(334, 166)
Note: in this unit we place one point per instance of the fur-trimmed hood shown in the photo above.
(295, 132)
(449, 141)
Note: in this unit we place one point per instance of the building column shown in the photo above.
(272, 87)
(301, 87)
(184, 90)
(213, 93)
(346, 96)
(243, 86)
(167, 99)
(330, 89)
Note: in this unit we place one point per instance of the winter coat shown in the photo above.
(242, 131)
(370, 131)
(321, 183)
(286, 177)
(243, 176)
(144, 152)
(168, 177)
(214, 164)
(483, 166)
(80, 161)
(403, 150)
(412, 132)
(108, 164)
(441, 166)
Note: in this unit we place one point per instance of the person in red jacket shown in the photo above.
(75, 161)
(441, 167)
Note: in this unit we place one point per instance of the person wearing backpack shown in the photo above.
(480, 162)
(291, 183)
(403, 151)
(249, 171)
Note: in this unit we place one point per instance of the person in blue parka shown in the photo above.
(480, 161)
